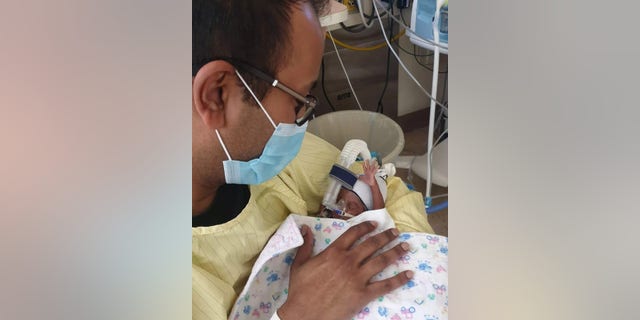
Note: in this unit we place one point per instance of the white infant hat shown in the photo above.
(364, 191)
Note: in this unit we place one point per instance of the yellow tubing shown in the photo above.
(375, 47)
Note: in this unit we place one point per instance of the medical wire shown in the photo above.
(377, 46)
(434, 101)
(413, 53)
(369, 23)
(402, 16)
(427, 66)
(406, 27)
(324, 89)
(380, 107)
(444, 92)
(372, 15)
(429, 152)
(444, 89)
(430, 164)
(401, 63)
(354, 29)
(345, 72)
(371, 48)
(381, 45)
(359, 28)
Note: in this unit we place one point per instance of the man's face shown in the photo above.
(299, 72)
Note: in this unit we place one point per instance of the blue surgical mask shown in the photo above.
(281, 148)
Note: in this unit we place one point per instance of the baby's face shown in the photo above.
(353, 204)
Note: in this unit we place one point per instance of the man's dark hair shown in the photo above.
(257, 32)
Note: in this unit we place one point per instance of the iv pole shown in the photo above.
(426, 158)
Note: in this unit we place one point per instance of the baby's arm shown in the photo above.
(369, 177)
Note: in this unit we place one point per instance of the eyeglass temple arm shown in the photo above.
(286, 89)
(274, 82)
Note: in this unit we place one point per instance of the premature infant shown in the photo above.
(423, 297)
(368, 193)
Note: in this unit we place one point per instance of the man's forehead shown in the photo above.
(306, 48)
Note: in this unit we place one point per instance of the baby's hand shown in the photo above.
(370, 168)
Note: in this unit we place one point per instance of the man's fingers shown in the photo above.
(375, 243)
(304, 252)
(346, 240)
(377, 264)
(379, 288)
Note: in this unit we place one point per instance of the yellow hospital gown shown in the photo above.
(223, 255)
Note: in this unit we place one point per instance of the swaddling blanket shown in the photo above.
(423, 297)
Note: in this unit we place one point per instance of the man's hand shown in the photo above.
(335, 283)
(370, 168)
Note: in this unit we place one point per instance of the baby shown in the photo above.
(368, 193)
(423, 297)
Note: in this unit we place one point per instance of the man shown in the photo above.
(245, 131)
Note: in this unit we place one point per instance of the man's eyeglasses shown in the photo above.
(306, 104)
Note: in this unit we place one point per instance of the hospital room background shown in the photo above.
(379, 101)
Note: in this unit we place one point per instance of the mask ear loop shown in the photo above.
(261, 107)
(255, 98)
(223, 146)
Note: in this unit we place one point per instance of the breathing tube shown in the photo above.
(438, 207)
(340, 175)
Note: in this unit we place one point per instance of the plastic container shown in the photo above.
(382, 135)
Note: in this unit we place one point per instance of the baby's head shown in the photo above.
(359, 199)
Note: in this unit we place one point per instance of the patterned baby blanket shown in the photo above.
(424, 297)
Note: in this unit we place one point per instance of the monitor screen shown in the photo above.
(422, 15)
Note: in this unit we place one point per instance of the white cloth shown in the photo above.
(275, 316)
(424, 297)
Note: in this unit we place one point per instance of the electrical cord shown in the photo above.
(372, 15)
(402, 17)
(361, 28)
(442, 115)
(345, 71)
(380, 107)
(324, 88)
(400, 61)
(413, 53)
(366, 24)
(442, 46)
(444, 87)
(427, 67)
(353, 29)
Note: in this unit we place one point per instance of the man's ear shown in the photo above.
(210, 93)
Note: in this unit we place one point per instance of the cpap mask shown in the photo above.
(340, 176)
